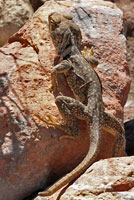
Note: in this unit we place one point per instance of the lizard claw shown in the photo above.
(51, 118)
(91, 52)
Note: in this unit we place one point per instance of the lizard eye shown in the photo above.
(53, 19)
(53, 23)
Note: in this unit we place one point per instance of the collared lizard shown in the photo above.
(87, 89)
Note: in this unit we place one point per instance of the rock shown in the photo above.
(116, 196)
(129, 106)
(127, 7)
(31, 154)
(129, 132)
(13, 14)
(108, 179)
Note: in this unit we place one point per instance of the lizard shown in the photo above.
(87, 89)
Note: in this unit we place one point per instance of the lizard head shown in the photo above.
(64, 32)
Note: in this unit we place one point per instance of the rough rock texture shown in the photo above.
(31, 154)
(129, 107)
(108, 179)
(127, 7)
(115, 196)
(13, 14)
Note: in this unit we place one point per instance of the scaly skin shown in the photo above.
(87, 89)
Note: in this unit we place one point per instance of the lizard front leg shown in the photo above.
(62, 67)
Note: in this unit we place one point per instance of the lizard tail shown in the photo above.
(95, 138)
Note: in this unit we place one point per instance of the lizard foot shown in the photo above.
(52, 88)
(89, 53)
(53, 121)
(90, 56)
(49, 120)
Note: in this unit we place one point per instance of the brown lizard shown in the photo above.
(87, 89)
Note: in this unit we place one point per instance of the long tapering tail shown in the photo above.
(95, 138)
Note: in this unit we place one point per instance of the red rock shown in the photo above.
(127, 7)
(32, 155)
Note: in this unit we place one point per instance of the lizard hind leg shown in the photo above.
(71, 126)
(64, 127)
(112, 125)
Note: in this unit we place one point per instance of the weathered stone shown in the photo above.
(13, 14)
(31, 154)
(128, 6)
(105, 179)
